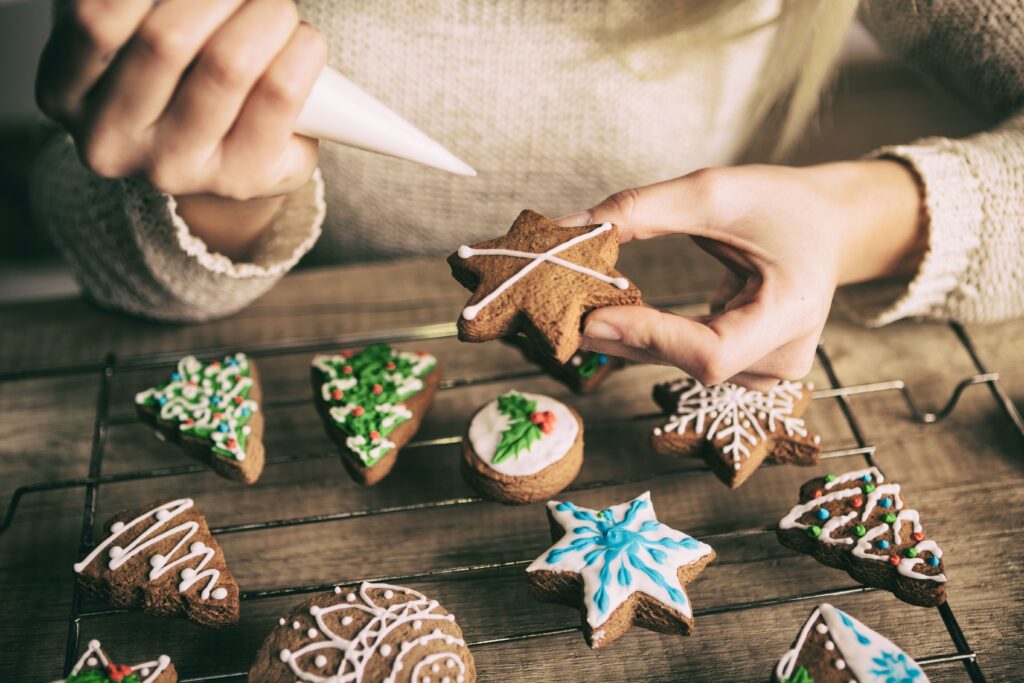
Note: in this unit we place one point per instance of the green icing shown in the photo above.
(799, 676)
(209, 401)
(365, 391)
(99, 676)
(521, 432)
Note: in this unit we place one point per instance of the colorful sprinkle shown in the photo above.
(868, 488)
(814, 531)
(917, 536)
(885, 502)
(337, 394)
(933, 561)
(910, 552)
(882, 544)
(866, 477)
(358, 411)
(860, 530)
(857, 502)
(894, 560)
(829, 478)
(889, 518)
(822, 514)
(817, 493)
(377, 389)
(347, 370)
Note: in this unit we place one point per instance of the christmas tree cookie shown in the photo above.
(619, 566)
(96, 666)
(165, 561)
(735, 429)
(833, 647)
(522, 448)
(213, 411)
(583, 373)
(540, 280)
(372, 633)
(372, 402)
(859, 522)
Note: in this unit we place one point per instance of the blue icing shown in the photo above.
(861, 638)
(894, 668)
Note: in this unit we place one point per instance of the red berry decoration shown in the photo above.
(536, 418)
(232, 443)
(238, 400)
(346, 353)
(390, 366)
(215, 364)
(544, 420)
(117, 673)
(217, 416)
(374, 435)
(358, 411)
(378, 389)
(337, 394)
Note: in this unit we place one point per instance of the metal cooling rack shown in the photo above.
(962, 652)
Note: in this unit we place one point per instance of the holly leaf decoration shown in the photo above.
(98, 676)
(521, 433)
(799, 676)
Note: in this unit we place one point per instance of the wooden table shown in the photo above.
(64, 364)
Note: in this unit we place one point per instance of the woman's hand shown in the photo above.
(198, 97)
(787, 237)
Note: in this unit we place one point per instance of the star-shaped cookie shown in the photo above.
(540, 280)
(735, 429)
(620, 566)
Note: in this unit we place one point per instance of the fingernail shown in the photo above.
(573, 220)
(602, 331)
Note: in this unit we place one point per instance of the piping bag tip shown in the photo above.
(339, 111)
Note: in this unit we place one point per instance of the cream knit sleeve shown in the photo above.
(973, 270)
(131, 251)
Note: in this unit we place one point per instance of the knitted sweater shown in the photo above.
(526, 92)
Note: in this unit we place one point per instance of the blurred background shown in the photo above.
(873, 102)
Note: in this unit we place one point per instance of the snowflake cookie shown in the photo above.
(522, 448)
(371, 633)
(372, 402)
(620, 566)
(165, 561)
(833, 647)
(859, 522)
(540, 280)
(734, 429)
(213, 411)
(96, 666)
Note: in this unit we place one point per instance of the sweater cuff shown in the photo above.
(954, 213)
(292, 232)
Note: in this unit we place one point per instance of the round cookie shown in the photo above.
(521, 447)
(373, 633)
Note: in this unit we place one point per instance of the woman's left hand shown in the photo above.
(787, 237)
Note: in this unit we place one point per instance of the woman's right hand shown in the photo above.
(198, 97)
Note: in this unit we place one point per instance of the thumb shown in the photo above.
(673, 206)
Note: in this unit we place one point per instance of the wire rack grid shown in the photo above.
(962, 652)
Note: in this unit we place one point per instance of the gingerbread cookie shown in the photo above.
(372, 402)
(373, 633)
(540, 280)
(858, 522)
(833, 647)
(166, 562)
(583, 373)
(619, 566)
(734, 429)
(212, 411)
(522, 448)
(96, 666)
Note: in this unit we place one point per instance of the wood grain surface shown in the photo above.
(965, 474)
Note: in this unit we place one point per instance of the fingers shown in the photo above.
(80, 49)
(229, 65)
(682, 205)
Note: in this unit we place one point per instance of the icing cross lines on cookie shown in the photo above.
(465, 251)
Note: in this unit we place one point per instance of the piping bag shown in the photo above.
(340, 111)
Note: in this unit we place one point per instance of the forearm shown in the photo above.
(228, 227)
(879, 212)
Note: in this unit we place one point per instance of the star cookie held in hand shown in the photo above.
(620, 566)
(541, 280)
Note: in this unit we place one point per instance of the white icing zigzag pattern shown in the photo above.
(739, 417)
(94, 657)
(864, 500)
(162, 516)
(370, 641)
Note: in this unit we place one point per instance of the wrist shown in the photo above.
(228, 226)
(882, 225)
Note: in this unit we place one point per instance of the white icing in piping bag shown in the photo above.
(340, 111)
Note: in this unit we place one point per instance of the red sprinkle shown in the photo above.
(238, 378)
(346, 353)
(217, 416)
(390, 365)
(238, 400)
(917, 536)
(374, 435)
(358, 410)
(215, 364)
(894, 560)
(337, 394)
(118, 672)
(816, 494)
(232, 443)
(378, 389)
(347, 369)
(857, 502)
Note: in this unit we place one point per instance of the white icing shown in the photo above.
(833, 524)
(536, 259)
(160, 564)
(93, 656)
(488, 424)
(876, 477)
(384, 620)
(734, 418)
(605, 560)
(907, 564)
